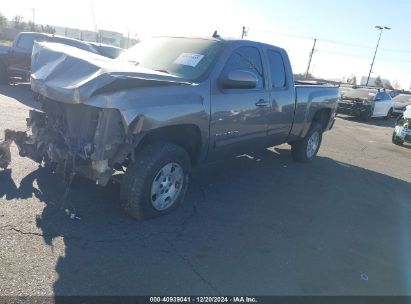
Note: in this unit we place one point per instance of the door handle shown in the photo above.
(262, 103)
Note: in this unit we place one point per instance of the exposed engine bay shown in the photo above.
(72, 139)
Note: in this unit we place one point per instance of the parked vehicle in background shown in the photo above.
(107, 50)
(402, 131)
(15, 61)
(401, 101)
(164, 106)
(365, 103)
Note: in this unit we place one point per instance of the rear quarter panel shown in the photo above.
(309, 100)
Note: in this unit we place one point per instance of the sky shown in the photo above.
(344, 29)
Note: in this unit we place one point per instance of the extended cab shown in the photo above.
(165, 105)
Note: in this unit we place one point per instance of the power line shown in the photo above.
(360, 56)
(330, 41)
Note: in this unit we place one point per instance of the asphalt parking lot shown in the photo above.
(254, 225)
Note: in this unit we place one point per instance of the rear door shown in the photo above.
(282, 97)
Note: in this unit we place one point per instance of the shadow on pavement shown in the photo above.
(22, 93)
(377, 121)
(258, 224)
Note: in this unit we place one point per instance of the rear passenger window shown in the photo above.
(277, 70)
(26, 42)
(249, 59)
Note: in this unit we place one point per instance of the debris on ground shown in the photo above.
(72, 215)
(364, 277)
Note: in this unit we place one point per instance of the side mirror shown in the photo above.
(239, 79)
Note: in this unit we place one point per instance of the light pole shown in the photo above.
(380, 28)
(34, 26)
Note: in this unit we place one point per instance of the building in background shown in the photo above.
(109, 37)
(372, 80)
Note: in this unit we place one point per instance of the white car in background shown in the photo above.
(366, 103)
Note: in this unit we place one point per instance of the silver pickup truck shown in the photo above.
(163, 106)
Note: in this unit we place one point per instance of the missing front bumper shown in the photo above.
(72, 139)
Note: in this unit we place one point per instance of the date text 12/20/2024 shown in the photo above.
(203, 300)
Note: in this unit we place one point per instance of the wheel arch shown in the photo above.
(187, 136)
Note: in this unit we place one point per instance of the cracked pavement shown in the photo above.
(254, 225)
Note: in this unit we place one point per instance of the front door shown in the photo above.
(239, 116)
(382, 104)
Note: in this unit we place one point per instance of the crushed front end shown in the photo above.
(402, 131)
(354, 107)
(73, 139)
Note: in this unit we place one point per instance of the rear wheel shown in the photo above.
(389, 114)
(155, 184)
(306, 149)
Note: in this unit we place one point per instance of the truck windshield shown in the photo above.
(185, 58)
(358, 93)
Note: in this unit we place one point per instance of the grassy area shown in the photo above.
(6, 42)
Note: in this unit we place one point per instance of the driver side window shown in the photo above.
(247, 59)
(379, 96)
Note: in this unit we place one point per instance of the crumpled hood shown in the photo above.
(67, 74)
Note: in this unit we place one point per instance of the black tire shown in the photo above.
(135, 193)
(366, 115)
(4, 78)
(299, 148)
(389, 114)
(395, 140)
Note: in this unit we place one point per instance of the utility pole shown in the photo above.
(244, 33)
(380, 28)
(311, 58)
(33, 10)
(94, 21)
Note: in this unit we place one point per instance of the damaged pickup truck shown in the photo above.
(163, 106)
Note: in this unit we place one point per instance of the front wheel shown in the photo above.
(395, 140)
(366, 115)
(306, 149)
(4, 78)
(156, 183)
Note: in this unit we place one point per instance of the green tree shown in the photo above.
(378, 82)
(18, 22)
(352, 80)
(3, 20)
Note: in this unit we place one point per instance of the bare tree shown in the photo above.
(3, 21)
(388, 86)
(48, 29)
(18, 22)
